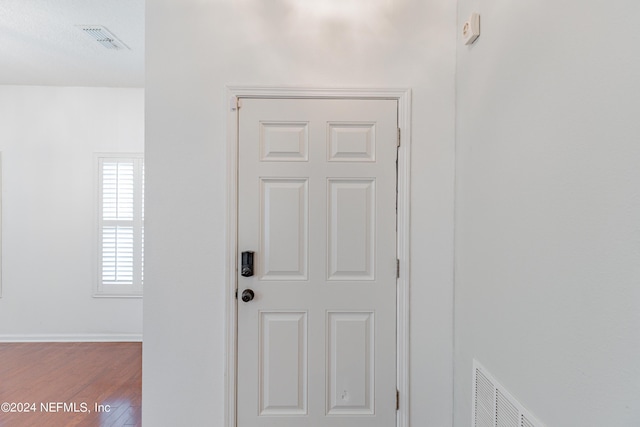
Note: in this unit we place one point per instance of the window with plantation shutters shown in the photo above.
(120, 225)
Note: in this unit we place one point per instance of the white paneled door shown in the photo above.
(317, 207)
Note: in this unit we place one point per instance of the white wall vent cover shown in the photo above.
(103, 36)
(493, 406)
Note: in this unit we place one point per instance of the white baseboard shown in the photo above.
(71, 338)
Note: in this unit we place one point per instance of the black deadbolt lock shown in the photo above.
(247, 264)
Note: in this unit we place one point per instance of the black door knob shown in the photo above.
(247, 295)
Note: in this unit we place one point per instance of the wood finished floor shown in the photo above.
(75, 374)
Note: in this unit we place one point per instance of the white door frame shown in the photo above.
(233, 95)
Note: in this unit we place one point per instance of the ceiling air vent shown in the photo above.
(103, 36)
(493, 406)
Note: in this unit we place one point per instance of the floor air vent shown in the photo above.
(493, 406)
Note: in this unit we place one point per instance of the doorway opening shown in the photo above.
(296, 189)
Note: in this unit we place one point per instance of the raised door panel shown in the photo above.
(351, 237)
(284, 223)
(284, 141)
(283, 363)
(352, 142)
(350, 355)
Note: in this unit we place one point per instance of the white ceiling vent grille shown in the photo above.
(493, 406)
(103, 36)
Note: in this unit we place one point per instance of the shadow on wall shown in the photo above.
(332, 29)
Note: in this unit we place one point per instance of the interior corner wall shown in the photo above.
(47, 138)
(548, 208)
(195, 48)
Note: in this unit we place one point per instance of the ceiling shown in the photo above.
(40, 43)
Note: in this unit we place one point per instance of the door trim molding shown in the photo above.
(403, 97)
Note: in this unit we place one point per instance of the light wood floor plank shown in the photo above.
(80, 375)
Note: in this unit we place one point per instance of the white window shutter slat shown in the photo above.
(121, 226)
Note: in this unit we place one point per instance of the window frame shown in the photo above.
(120, 290)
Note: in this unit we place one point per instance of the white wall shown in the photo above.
(47, 138)
(195, 48)
(548, 209)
